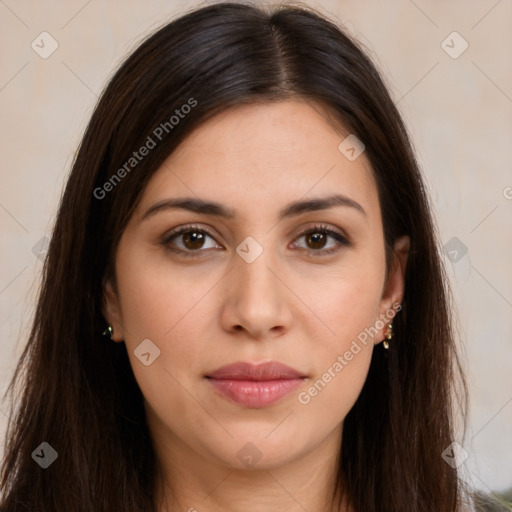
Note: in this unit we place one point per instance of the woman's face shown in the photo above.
(254, 287)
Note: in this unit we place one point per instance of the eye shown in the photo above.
(192, 239)
(316, 240)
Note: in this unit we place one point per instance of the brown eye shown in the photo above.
(188, 241)
(317, 238)
(193, 239)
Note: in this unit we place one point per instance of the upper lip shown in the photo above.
(271, 370)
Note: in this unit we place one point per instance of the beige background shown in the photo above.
(459, 111)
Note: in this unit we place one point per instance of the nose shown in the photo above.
(256, 298)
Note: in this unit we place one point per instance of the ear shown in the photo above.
(393, 291)
(111, 311)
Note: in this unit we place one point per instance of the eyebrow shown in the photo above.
(218, 210)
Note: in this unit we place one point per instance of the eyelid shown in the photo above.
(342, 239)
(166, 239)
(323, 227)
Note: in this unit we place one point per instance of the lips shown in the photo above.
(255, 386)
(247, 371)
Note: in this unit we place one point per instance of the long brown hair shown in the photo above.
(77, 391)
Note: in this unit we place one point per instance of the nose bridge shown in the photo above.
(252, 268)
(256, 300)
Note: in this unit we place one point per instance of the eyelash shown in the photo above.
(318, 228)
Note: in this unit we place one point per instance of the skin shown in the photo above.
(289, 305)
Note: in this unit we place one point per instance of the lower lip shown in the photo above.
(251, 393)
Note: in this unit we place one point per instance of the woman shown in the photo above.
(243, 306)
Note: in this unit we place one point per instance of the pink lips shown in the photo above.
(253, 385)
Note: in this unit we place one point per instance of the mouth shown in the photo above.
(255, 386)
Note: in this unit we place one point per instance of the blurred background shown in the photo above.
(448, 66)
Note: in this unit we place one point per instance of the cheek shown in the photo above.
(348, 307)
(163, 311)
(157, 297)
(347, 298)
(169, 307)
(334, 391)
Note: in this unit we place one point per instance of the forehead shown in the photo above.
(257, 157)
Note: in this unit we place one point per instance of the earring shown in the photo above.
(388, 336)
(108, 331)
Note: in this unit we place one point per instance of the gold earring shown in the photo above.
(388, 336)
(108, 331)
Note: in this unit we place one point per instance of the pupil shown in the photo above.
(193, 239)
(318, 240)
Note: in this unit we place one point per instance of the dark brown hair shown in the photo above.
(78, 393)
